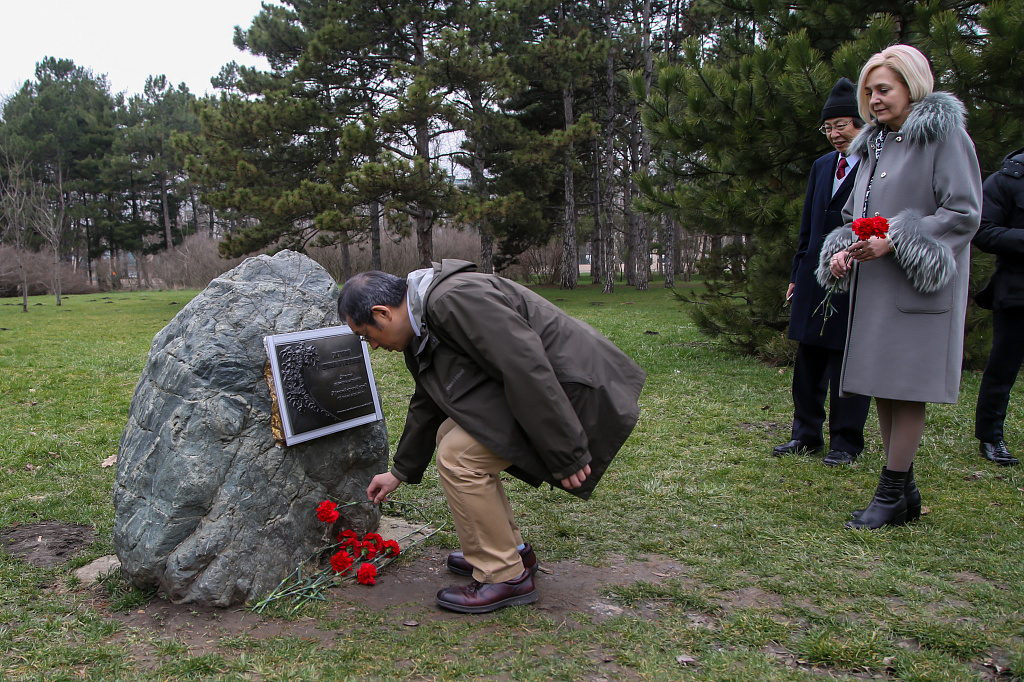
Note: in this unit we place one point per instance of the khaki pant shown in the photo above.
(471, 478)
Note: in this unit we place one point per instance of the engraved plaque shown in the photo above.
(323, 381)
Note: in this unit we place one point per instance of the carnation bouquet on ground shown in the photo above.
(352, 559)
(876, 227)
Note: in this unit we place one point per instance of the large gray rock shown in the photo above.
(206, 507)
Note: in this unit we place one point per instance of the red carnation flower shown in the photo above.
(367, 574)
(391, 548)
(341, 562)
(367, 550)
(865, 228)
(347, 537)
(375, 538)
(327, 512)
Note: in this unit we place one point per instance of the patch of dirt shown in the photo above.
(46, 544)
(751, 597)
(405, 593)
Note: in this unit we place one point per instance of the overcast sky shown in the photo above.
(128, 40)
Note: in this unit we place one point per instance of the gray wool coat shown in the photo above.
(905, 334)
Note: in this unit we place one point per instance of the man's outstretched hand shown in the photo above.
(576, 480)
(381, 486)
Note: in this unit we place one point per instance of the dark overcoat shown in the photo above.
(538, 387)
(905, 336)
(1002, 233)
(823, 213)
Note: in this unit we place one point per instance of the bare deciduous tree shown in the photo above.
(16, 204)
(49, 220)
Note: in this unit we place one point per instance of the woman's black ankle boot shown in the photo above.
(888, 507)
(912, 495)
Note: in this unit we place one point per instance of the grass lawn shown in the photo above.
(773, 587)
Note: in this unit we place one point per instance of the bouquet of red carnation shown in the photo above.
(353, 558)
(863, 228)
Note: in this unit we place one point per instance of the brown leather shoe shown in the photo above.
(458, 565)
(478, 597)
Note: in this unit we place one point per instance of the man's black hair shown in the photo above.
(366, 290)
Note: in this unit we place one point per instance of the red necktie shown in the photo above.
(841, 170)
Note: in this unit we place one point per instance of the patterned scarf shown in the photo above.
(879, 143)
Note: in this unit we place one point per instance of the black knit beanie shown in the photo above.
(842, 101)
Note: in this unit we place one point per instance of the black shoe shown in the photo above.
(795, 447)
(997, 452)
(889, 505)
(911, 494)
(836, 458)
(458, 565)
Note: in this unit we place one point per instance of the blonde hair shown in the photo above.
(909, 64)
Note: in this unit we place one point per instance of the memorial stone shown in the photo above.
(207, 507)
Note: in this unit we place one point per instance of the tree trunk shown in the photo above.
(24, 280)
(643, 272)
(487, 251)
(56, 271)
(570, 254)
(424, 240)
(478, 179)
(57, 227)
(597, 237)
(167, 212)
(632, 266)
(424, 216)
(668, 241)
(192, 199)
(88, 258)
(375, 262)
(609, 236)
(346, 261)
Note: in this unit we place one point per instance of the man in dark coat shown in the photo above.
(1002, 233)
(819, 355)
(505, 381)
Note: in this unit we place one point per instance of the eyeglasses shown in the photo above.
(828, 128)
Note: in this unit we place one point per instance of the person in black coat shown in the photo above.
(1002, 233)
(819, 355)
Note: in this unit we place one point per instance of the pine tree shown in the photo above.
(271, 146)
(734, 118)
(63, 123)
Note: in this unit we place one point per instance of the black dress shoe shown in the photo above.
(795, 447)
(997, 452)
(478, 597)
(458, 565)
(836, 458)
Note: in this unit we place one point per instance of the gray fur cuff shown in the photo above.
(837, 240)
(928, 262)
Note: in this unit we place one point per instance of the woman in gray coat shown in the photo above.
(909, 289)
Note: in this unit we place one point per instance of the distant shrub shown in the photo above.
(39, 274)
(191, 265)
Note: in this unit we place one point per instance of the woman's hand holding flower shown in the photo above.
(870, 249)
(840, 264)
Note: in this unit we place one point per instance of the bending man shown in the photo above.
(505, 381)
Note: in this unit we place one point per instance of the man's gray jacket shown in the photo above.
(538, 387)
